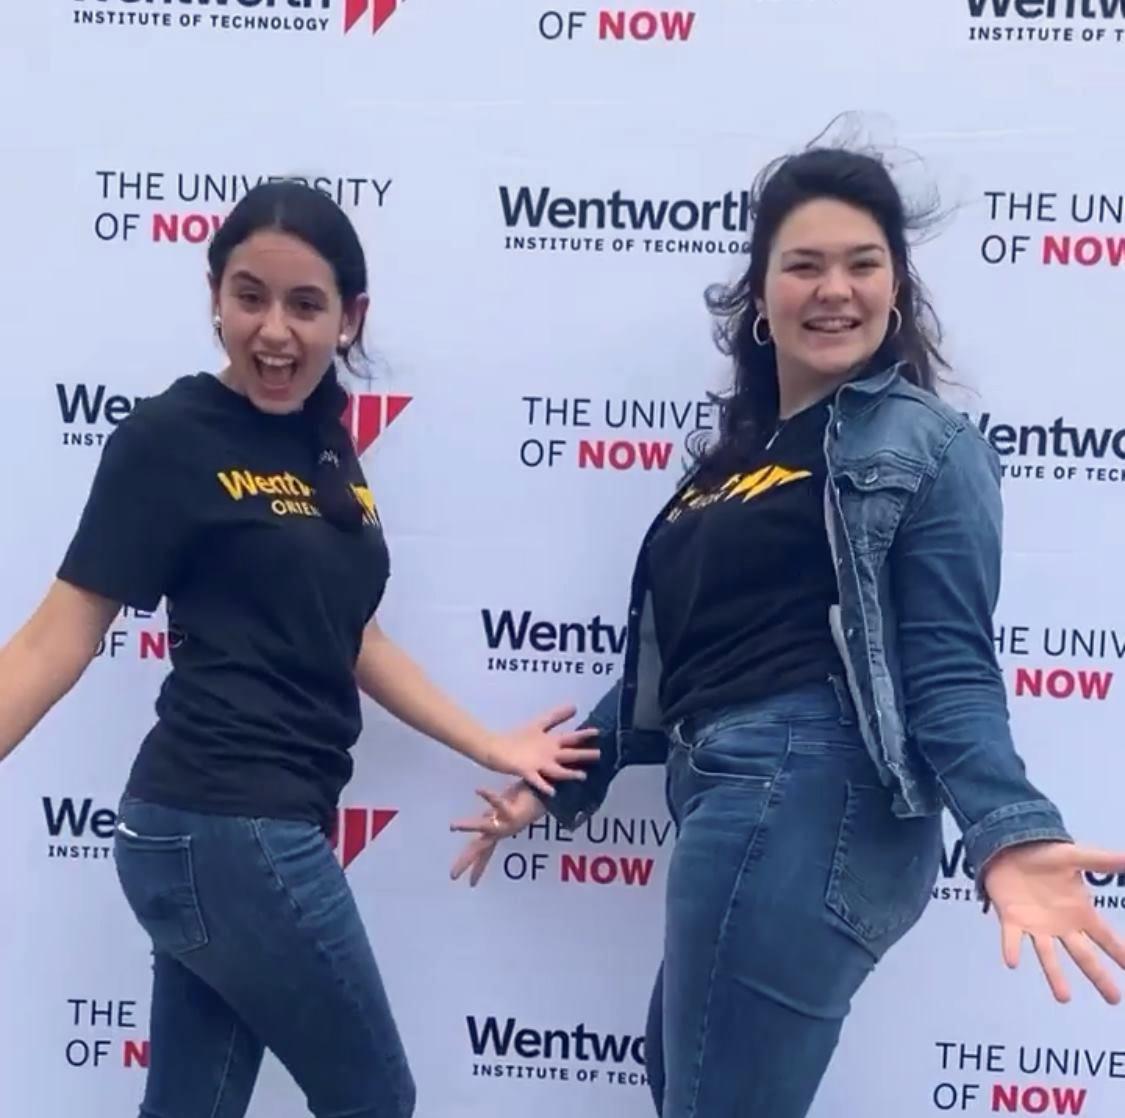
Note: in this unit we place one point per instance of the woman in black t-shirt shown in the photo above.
(810, 653)
(240, 500)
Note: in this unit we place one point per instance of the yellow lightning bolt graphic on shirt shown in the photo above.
(766, 478)
(367, 499)
(749, 485)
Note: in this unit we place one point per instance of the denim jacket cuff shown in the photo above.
(1030, 821)
(572, 804)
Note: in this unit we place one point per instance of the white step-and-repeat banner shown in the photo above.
(531, 184)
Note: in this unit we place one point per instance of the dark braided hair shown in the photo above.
(290, 206)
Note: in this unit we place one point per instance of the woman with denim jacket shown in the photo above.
(810, 653)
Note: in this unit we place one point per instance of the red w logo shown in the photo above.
(381, 11)
(366, 416)
(356, 828)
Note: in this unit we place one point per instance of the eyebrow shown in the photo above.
(249, 277)
(857, 250)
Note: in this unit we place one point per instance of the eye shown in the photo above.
(248, 298)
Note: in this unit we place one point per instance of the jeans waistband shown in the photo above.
(809, 702)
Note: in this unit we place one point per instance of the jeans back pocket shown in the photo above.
(883, 868)
(157, 876)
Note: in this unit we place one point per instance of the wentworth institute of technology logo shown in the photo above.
(367, 415)
(356, 828)
(90, 412)
(79, 829)
(1047, 21)
(299, 17)
(377, 12)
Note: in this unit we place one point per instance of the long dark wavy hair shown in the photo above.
(292, 207)
(749, 413)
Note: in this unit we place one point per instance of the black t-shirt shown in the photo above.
(205, 501)
(742, 578)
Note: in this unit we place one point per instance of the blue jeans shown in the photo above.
(257, 943)
(790, 879)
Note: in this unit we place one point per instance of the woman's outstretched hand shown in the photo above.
(535, 754)
(517, 807)
(1038, 890)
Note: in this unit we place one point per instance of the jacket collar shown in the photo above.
(854, 397)
(866, 390)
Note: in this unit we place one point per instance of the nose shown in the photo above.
(274, 327)
(834, 285)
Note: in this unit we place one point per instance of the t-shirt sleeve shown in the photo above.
(132, 532)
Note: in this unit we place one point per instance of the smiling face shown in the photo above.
(829, 288)
(281, 318)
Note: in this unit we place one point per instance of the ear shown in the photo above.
(213, 288)
(760, 305)
(354, 315)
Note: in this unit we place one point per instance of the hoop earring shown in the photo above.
(898, 323)
(754, 332)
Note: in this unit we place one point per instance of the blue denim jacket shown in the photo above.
(914, 519)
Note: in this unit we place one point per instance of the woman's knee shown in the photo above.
(400, 1105)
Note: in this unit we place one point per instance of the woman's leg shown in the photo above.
(260, 912)
(202, 1058)
(790, 878)
(654, 1043)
